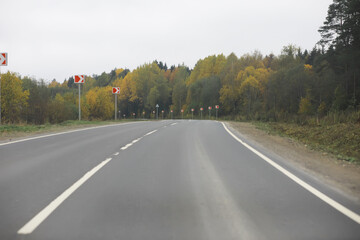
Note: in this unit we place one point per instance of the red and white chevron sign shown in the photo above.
(3, 59)
(79, 79)
(116, 90)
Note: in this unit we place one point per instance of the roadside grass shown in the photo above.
(19, 130)
(341, 140)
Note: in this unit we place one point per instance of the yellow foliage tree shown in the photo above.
(252, 85)
(54, 84)
(57, 109)
(13, 98)
(204, 68)
(100, 103)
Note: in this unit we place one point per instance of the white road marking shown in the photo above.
(136, 140)
(29, 227)
(61, 133)
(173, 124)
(43, 214)
(126, 146)
(347, 212)
(150, 133)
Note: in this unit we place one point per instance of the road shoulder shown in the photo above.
(341, 175)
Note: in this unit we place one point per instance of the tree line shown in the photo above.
(293, 85)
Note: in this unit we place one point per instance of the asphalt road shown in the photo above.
(162, 180)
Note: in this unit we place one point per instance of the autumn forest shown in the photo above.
(297, 85)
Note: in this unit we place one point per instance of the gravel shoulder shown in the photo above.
(341, 175)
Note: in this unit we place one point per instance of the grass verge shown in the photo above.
(342, 140)
(21, 130)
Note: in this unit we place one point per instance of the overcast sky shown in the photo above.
(60, 38)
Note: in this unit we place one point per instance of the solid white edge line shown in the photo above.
(43, 214)
(61, 133)
(117, 153)
(347, 212)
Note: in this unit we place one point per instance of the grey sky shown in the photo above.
(57, 39)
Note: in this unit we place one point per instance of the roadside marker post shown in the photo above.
(3, 62)
(209, 111)
(157, 111)
(79, 79)
(201, 110)
(192, 113)
(162, 114)
(171, 111)
(182, 113)
(217, 108)
(116, 91)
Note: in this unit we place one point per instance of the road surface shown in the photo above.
(163, 180)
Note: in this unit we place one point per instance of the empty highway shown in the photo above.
(163, 180)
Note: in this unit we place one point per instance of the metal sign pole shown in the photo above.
(115, 106)
(79, 104)
(0, 95)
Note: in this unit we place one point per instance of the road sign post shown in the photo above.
(217, 108)
(157, 111)
(79, 103)
(79, 79)
(201, 110)
(3, 62)
(116, 91)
